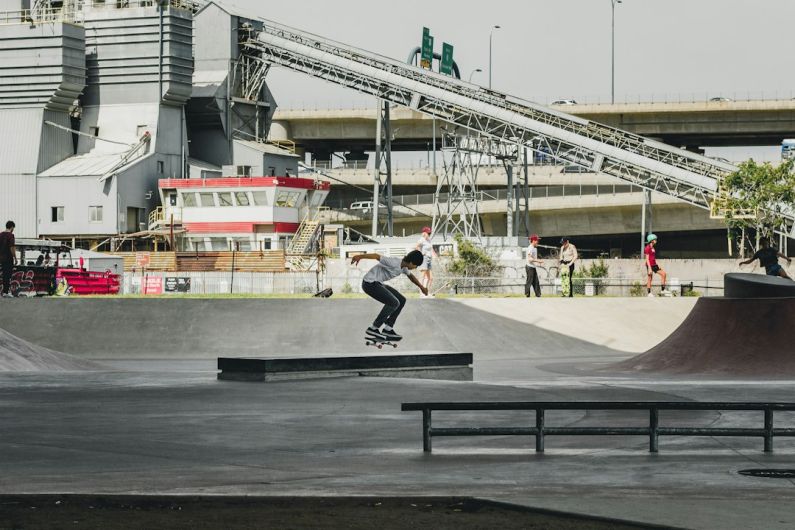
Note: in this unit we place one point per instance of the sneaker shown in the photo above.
(651, 295)
(373, 332)
(8, 295)
(391, 334)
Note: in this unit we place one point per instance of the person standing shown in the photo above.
(568, 258)
(530, 268)
(425, 246)
(8, 257)
(650, 254)
(768, 257)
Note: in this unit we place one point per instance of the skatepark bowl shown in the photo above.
(113, 414)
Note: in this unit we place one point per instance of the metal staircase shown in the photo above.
(299, 253)
(687, 176)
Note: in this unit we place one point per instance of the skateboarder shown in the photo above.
(568, 258)
(650, 253)
(530, 268)
(373, 285)
(8, 257)
(768, 258)
(425, 246)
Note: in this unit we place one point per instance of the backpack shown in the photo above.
(325, 293)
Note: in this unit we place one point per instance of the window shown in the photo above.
(95, 214)
(260, 198)
(207, 200)
(219, 243)
(189, 200)
(93, 131)
(225, 199)
(243, 171)
(198, 244)
(266, 244)
(172, 199)
(287, 199)
(242, 198)
(243, 245)
(141, 130)
(57, 214)
(161, 167)
(272, 171)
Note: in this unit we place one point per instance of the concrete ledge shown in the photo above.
(744, 285)
(440, 366)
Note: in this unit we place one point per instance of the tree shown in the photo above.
(755, 196)
(472, 261)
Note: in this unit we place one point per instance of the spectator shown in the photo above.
(8, 257)
(568, 258)
(530, 268)
(425, 246)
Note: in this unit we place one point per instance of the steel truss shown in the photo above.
(457, 211)
(652, 165)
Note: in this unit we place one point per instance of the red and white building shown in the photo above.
(244, 213)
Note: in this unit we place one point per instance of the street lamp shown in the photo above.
(491, 37)
(478, 70)
(613, 52)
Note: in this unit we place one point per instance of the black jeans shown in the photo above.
(532, 282)
(393, 302)
(8, 267)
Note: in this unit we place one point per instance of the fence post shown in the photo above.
(426, 430)
(768, 430)
(654, 422)
(539, 430)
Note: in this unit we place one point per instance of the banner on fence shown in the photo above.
(177, 285)
(153, 285)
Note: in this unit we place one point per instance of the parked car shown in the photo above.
(564, 102)
(362, 205)
(720, 99)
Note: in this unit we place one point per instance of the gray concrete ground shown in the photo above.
(156, 421)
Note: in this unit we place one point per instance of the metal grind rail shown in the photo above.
(653, 431)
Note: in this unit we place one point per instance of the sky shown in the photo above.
(665, 50)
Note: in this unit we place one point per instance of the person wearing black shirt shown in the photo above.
(8, 257)
(768, 258)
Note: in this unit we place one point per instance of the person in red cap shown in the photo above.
(425, 246)
(530, 268)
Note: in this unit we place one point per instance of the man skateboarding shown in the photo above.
(530, 268)
(650, 256)
(373, 285)
(568, 258)
(8, 257)
(768, 257)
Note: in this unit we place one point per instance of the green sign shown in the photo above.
(426, 60)
(447, 59)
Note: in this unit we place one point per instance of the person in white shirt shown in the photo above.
(425, 246)
(373, 285)
(530, 268)
(568, 257)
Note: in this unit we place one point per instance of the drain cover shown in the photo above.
(769, 473)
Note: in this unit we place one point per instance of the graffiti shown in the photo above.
(22, 283)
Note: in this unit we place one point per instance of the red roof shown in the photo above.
(245, 182)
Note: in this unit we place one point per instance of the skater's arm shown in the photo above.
(356, 259)
(416, 282)
(746, 262)
(782, 255)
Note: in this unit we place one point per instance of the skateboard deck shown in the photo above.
(379, 343)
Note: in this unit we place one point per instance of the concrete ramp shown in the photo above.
(17, 355)
(739, 337)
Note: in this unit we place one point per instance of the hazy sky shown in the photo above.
(553, 49)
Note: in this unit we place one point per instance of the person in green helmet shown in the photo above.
(650, 253)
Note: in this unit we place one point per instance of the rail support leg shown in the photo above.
(654, 422)
(539, 430)
(426, 430)
(768, 430)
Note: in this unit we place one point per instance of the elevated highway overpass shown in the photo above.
(691, 125)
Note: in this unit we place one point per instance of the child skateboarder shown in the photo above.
(768, 258)
(373, 285)
(650, 253)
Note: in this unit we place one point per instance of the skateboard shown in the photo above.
(379, 343)
(437, 290)
(564, 280)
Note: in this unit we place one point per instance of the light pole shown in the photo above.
(478, 70)
(613, 52)
(491, 38)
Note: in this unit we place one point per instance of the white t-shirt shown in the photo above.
(385, 270)
(532, 254)
(426, 247)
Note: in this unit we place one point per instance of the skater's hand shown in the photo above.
(424, 290)
(356, 259)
